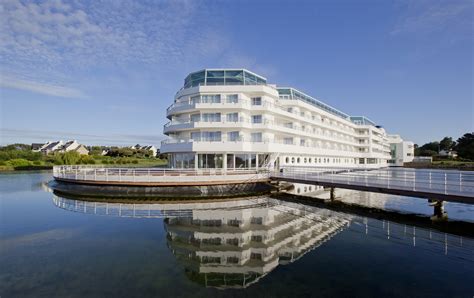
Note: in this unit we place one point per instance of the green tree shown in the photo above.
(95, 150)
(71, 158)
(465, 146)
(447, 144)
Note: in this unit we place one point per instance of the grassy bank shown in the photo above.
(15, 165)
(20, 157)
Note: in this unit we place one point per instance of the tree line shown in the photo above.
(464, 146)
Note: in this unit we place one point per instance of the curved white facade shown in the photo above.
(234, 119)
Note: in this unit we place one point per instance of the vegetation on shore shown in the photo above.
(464, 146)
(20, 157)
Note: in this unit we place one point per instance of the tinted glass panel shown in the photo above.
(214, 74)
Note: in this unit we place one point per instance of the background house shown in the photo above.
(59, 146)
(151, 148)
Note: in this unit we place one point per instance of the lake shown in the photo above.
(52, 246)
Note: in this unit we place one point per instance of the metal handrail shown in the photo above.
(447, 182)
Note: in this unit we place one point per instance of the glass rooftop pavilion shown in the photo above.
(212, 77)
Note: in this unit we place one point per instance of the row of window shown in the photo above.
(212, 161)
(217, 98)
(318, 160)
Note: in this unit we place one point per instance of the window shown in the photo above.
(253, 160)
(210, 260)
(302, 142)
(256, 137)
(210, 136)
(255, 256)
(182, 160)
(215, 98)
(234, 222)
(288, 141)
(232, 260)
(195, 118)
(195, 99)
(232, 98)
(241, 161)
(256, 101)
(263, 160)
(234, 242)
(210, 161)
(233, 136)
(257, 119)
(211, 117)
(232, 117)
(196, 136)
(256, 220)
(230, 161)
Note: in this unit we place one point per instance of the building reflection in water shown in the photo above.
(233, 244)
(230, 244)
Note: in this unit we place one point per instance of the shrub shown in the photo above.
(71, 157)
(19, 162)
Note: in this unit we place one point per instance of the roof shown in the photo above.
(37, 145)
(223, 76)
(52, 145)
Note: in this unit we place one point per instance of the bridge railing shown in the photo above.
(123, 174)
(449, 182)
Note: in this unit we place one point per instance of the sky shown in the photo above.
(104, 72)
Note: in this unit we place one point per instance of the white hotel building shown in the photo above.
(232, 118)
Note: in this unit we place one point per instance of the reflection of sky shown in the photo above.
(48, 251)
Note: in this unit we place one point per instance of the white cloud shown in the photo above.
(433, 16)
(58, 40)
(36, 87)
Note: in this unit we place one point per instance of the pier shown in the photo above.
(436, 185)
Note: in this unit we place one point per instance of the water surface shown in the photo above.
(54, 247)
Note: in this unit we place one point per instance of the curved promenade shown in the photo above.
(156, 176)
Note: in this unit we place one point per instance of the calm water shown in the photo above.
(260, 247)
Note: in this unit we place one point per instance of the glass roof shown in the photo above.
(291, 93)
(211, 77)
(362, 120)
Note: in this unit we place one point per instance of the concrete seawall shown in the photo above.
(116, 191)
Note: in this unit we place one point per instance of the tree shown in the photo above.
(428, 149)
(447, 144)
(71, 158)
(465, 146)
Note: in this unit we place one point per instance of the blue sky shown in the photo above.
(103, 72)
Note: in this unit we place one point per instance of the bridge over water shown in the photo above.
(439, 185)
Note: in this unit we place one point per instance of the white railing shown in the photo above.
(445, 182)
(155, 175)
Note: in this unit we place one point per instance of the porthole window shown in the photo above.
(298, 160)
(305, 160)
(287, 160)
(292, 160)
(310, 160)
